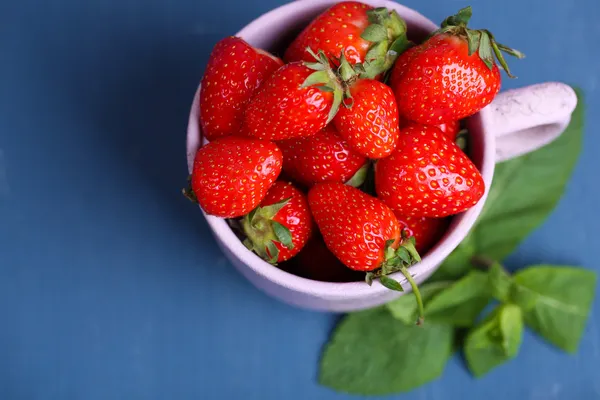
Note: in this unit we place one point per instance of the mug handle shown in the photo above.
(528, 118)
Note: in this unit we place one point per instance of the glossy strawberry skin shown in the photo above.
(354, 225)
(295, 216)
(426, 231)
(234, 71)
(451, 128)
(371, 125)
(428, 175)
(438, 82)
(231, 175)
(282, 109)
(337, 28)
(324, 157)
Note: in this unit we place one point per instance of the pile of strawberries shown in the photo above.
(347, 149)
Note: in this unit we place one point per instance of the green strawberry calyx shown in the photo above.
(188, 192)
(325, 79)
(388, 34)
(263, 233)
(399, 260)
(359, 176)
(481, 41)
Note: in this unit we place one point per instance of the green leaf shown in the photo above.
(461, 302)
(316, 78)
(374, 33)
(463, 15)
(391, 283)
(485, 50)
(398, 46)
(337, 100)
(515, 207)
(359, 176)
(563, 297)
(473, 38)
(496, 340)
(372, 353)
(251, 214)
(457, 263)
(377, 15)
(273, 252)
(268, 212)
(405, 307)
(500, 282)
(283, 234)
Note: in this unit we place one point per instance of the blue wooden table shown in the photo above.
(111, 286)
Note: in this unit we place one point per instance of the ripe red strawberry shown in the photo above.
(324, 157)
(234, 70)
(280, 227)
(231, 175)
(370, 125)
(363, 33)
(450, 76)
(289, 105)
(316, 262)
(451, 128)
(363, 233)
(428, 175)
(354, 225)
(426, 231)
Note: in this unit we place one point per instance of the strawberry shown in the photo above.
(316, 262)
(231, 175)
(361, 33)
(289, 104)
(426, 231)
(362, 232)
(280, 227)
(324, 157)
(450, 76)
(451, 129)
(234, 70)
(428, 175)
(370, 124)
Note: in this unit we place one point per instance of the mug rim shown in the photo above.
(460, 226)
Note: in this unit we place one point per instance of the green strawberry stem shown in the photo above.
(262, 233)
(417, 293)
(481, 41)
(399, 260)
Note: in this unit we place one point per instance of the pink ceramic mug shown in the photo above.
(518, 121)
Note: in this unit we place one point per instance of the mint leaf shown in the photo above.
(460, 303)
(515, 206)
(500, 282)
(496, 340)
(558, 302)
(372, 353)
(456, 264)
(405, 307)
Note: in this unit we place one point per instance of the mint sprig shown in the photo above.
(553, 301)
